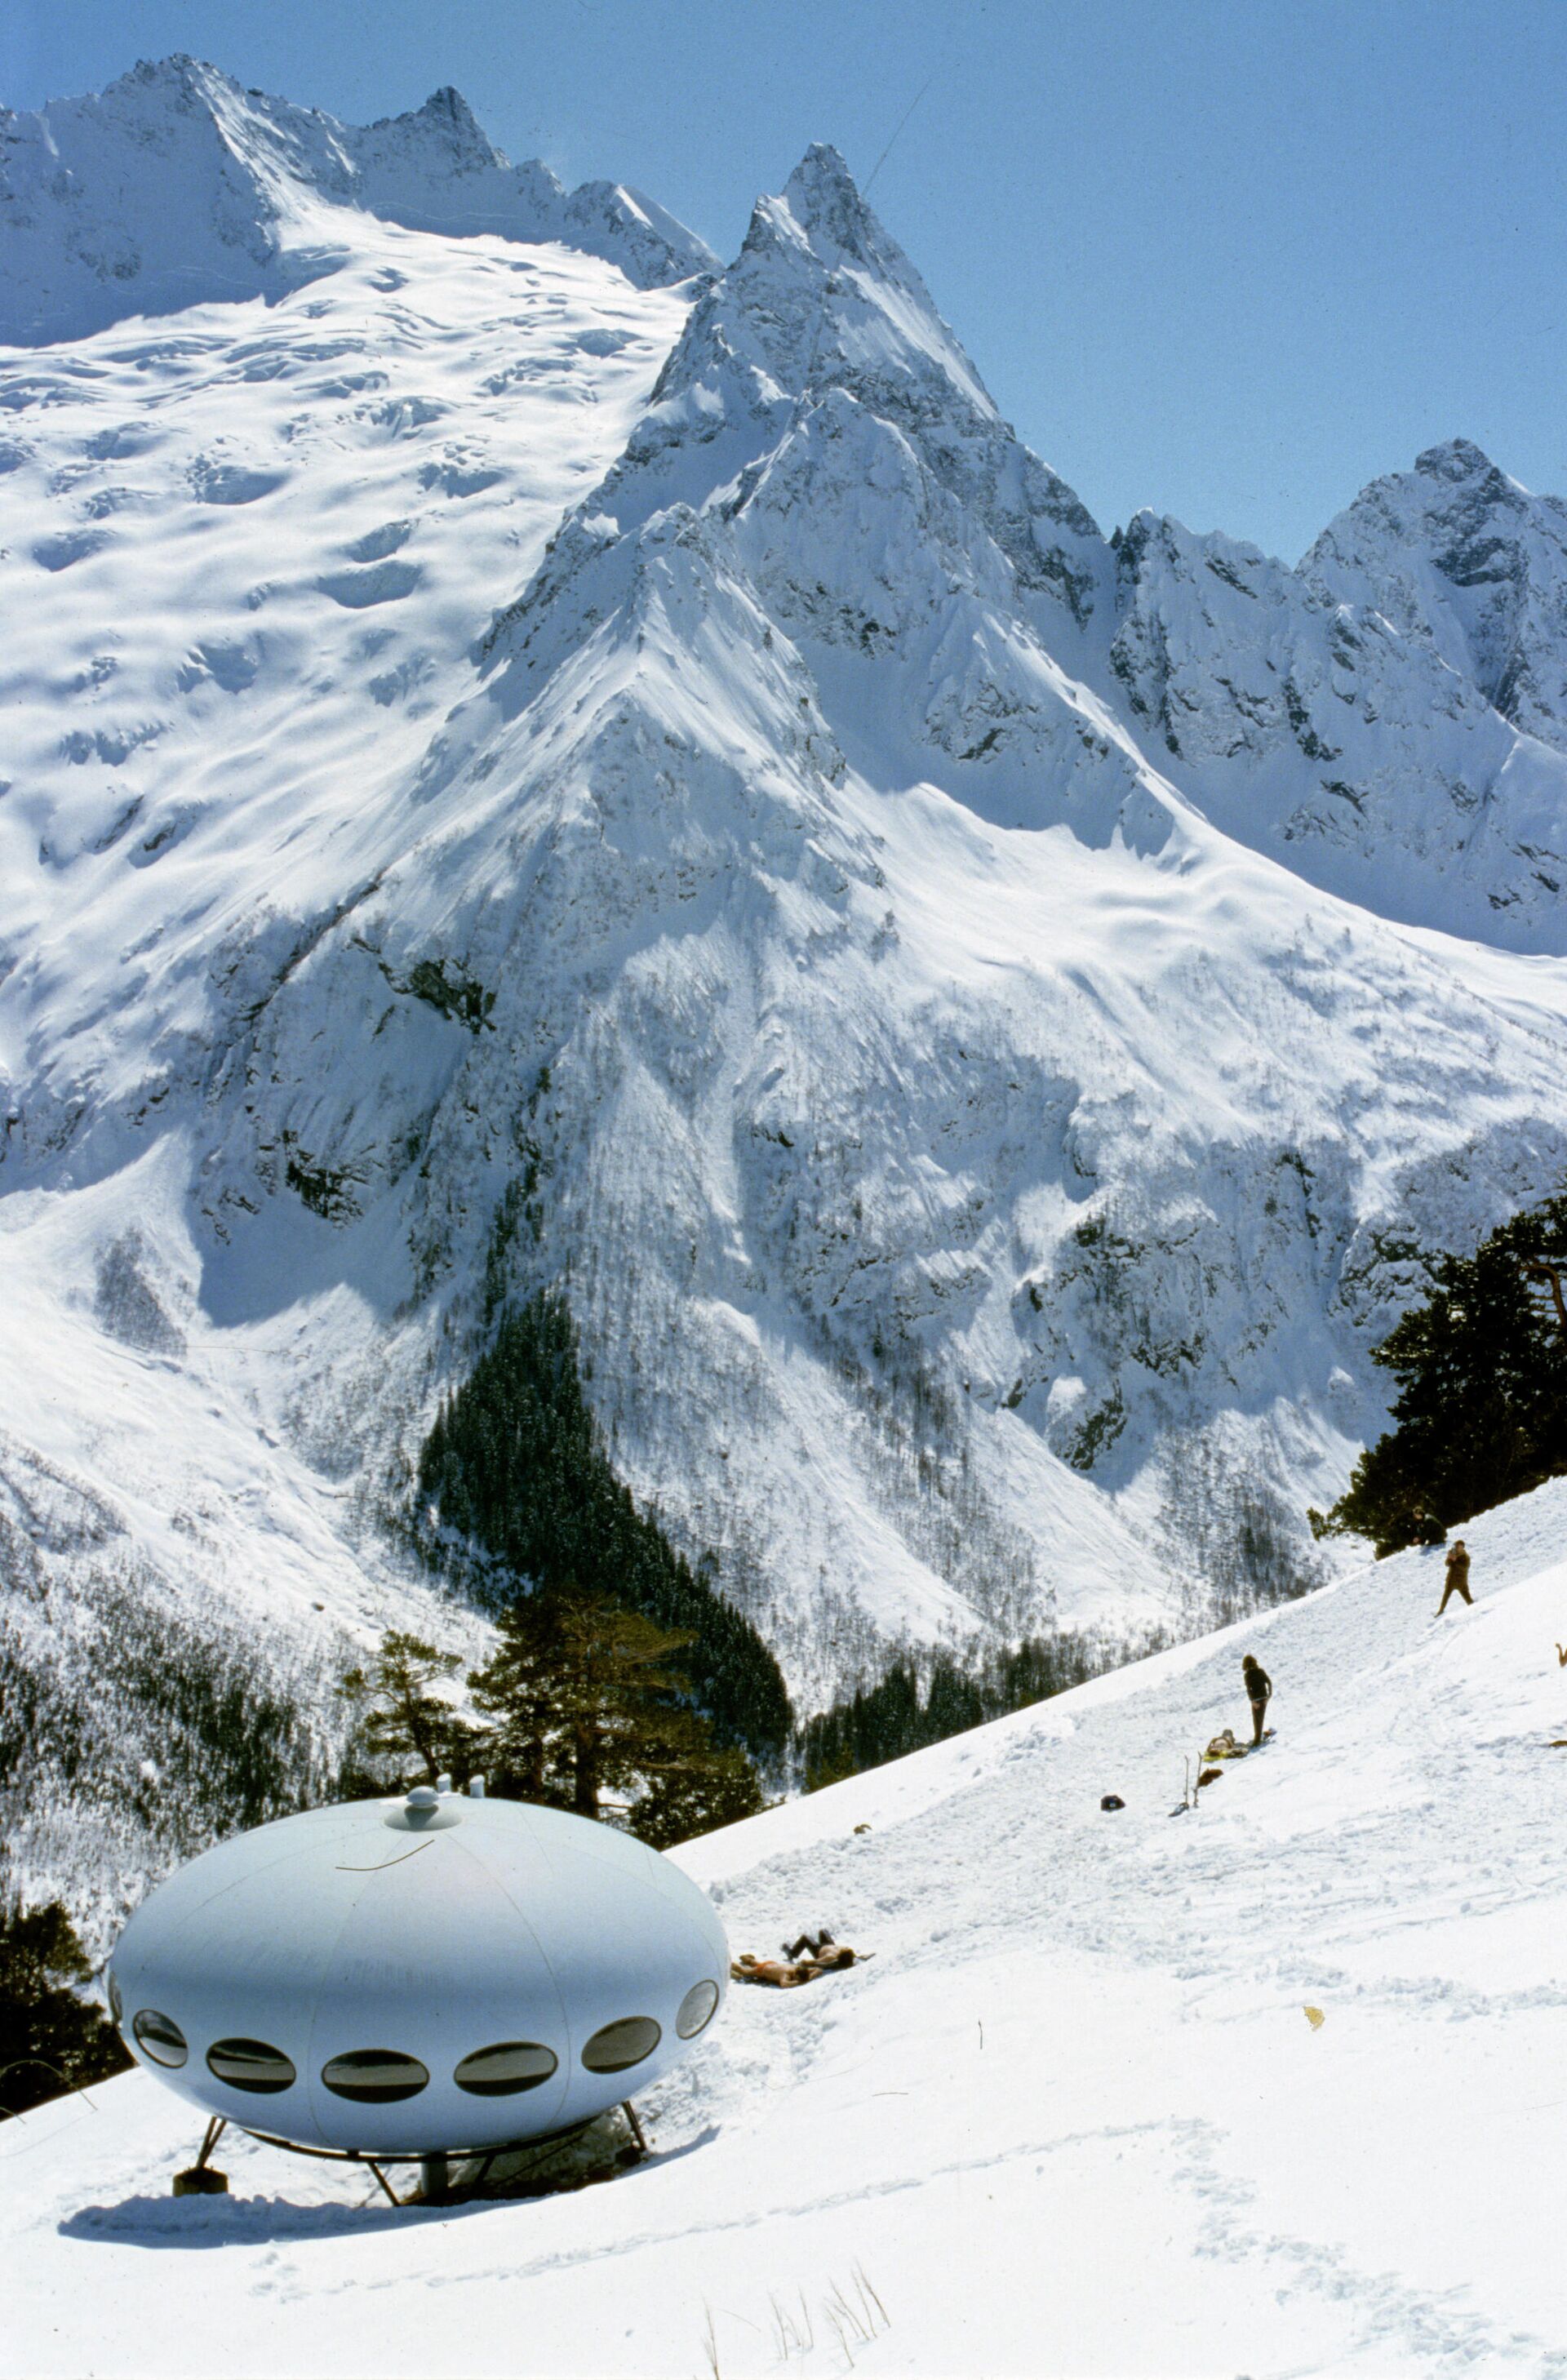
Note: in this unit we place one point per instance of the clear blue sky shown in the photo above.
(1227, 258)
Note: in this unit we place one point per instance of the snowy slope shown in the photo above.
(475, 720)
(1073, 2118)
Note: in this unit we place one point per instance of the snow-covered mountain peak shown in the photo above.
(819, 349)
(822, 200)
(446, 120)
(817, 244)
(1470, 562)
(175, 185)
(1456, 459)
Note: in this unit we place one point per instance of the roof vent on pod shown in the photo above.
(423, 1812)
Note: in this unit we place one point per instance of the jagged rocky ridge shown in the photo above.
(745, 849)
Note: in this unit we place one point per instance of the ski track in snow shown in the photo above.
(1071, 2118)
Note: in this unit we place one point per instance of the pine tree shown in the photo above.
(884, 1721)
(711, 1786)
(519, 1690)
(404, 1721)
(1481, 1413)
(952, 1701)
(584, 1700)
(51, 2039)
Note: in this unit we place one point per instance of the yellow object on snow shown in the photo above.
(1316, 2018)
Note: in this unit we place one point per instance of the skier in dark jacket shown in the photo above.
(1457, 1581)
(1259, 1685)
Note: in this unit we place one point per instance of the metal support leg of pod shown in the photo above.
(201, 2180)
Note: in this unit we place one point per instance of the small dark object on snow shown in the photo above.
(1208, 1776)
(1112, 1801)
(200, 2181)
(863, 1828)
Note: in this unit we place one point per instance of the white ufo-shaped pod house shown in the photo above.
(419, 1976)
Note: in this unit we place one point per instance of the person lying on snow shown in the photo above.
(785, 1972)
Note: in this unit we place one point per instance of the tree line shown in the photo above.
(515, 1466)
(902, 1714)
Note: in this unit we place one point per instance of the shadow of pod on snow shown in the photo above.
(147, 2222)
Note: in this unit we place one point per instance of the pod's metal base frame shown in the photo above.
(435, 2186)
(201, 2180)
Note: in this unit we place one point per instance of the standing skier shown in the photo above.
(1259, 1685)
(1457, 1567)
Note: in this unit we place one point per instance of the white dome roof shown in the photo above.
(258, 1980)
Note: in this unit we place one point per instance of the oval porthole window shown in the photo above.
(375, 2077)
(505, 2067)
(116, 2006)
(695, 2010)
(159, 2037)
(625, 2043)
(250, 2065)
